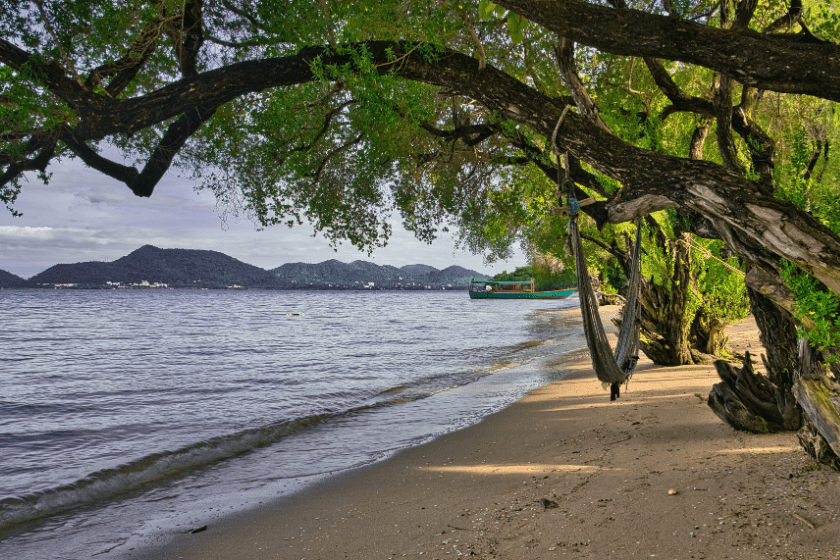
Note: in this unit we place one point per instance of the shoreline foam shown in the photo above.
(489, 491)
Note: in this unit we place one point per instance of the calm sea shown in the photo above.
(129, 415)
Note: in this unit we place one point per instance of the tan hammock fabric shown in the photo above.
(612, 368)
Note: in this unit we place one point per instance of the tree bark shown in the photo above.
(665, 328)
(820, 401)
(663, 338)
(797, 393)
(707, 334)
(778, 336)
(753, 402)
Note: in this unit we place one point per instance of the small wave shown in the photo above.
(530, 344)
(110, 483)
(393, 389)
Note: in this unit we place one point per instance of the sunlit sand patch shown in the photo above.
(626, 399)
(515, 469)
(766, 450)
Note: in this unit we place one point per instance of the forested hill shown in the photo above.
(178, 268)
(9, 280)
(189, 268)
(356, 274)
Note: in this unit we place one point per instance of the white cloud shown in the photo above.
(25, 231)
(82, 215)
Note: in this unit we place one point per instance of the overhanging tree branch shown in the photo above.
(777, 63)
(793, 15)
(143, 183)
(761, 146)
(334, 153)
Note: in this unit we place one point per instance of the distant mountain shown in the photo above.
(336, 272)
(455, 275)
(9, 280)
(189, 268)
(357, 274)
(418, 269)
(178, 268)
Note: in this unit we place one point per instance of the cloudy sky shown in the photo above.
(83, 215)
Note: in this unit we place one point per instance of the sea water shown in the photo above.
(129, 415)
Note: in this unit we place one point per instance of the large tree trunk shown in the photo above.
(669, 328)
(816, 387)
(664, 334)
(778, 336)
(707, 334)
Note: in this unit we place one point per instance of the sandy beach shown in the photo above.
(562, 473)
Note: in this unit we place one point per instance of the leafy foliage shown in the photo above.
(818, 306)
(723, 292)
(544, 277)
(808, 178)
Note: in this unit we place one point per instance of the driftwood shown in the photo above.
(749, 401)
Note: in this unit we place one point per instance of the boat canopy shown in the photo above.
(505, 284)
(513, 289)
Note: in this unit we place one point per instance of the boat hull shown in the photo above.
(555, 294)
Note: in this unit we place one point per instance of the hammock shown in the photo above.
(613, 368)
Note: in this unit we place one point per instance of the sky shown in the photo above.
(83, 215)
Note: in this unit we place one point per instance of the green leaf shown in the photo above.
(515, 25)
(485, 9)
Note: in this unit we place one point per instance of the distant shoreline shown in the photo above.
(151, 267)
(242, 288)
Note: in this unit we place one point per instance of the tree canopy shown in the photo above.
(341, 113)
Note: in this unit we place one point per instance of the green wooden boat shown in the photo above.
(513, 289)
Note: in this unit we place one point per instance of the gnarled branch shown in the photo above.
(143, 183)
(785, 64)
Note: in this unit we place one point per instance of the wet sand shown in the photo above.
(562, 473)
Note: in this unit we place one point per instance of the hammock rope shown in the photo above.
(611, 367)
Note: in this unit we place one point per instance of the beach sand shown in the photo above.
(563, 473)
